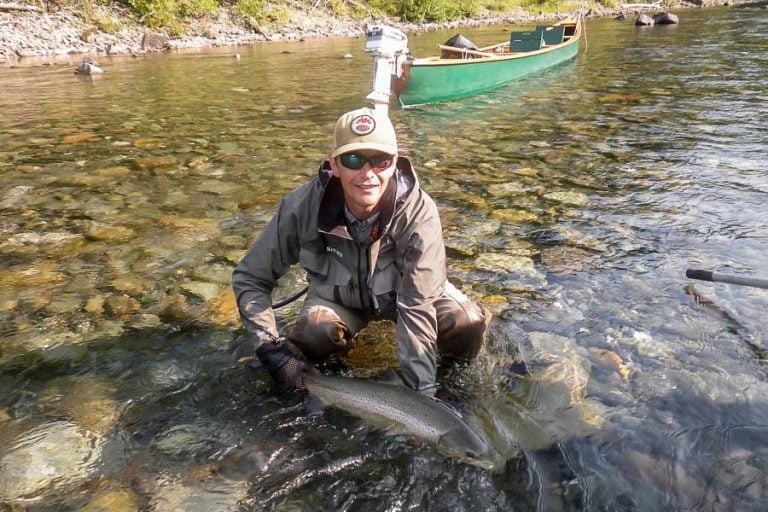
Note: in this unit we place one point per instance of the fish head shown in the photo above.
(466, 445)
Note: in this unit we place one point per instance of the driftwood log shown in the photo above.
(19, 7)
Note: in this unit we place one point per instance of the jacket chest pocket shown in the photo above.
(330, 278)
(316, 264)
(387, 274)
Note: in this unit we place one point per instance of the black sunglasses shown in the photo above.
(356, 162)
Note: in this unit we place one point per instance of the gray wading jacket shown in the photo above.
(399, 274)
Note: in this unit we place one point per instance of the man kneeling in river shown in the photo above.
(371, 243)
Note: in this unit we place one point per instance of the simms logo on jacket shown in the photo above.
(335, 252)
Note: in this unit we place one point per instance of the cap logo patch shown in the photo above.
(362, 125)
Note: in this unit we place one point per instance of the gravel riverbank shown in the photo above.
(29, 38)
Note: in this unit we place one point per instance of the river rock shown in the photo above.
(666, 18)
(609, 359)
(121, 305)
(88, 399)
(216, 496)
(131, 285)
(202, 290)
(153, 41)
(51, 458)
(221, 311)
(559, 360)
(219, 188)
(214, 273)
(15, 198)
(32, 276)
(644, 21)
(567, 197)
(507, 189)
(460, 245)
(513, 216)
(113, 499)
(503, 263)
(109, 233)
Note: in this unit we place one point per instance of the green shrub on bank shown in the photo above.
(100, 16)
(427, 10)
(263, 12)
(170, 14)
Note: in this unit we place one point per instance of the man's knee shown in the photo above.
(461, 328)
(319, 332)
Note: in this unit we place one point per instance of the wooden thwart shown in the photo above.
(465, 51)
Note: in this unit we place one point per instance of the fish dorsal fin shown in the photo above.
(390, 377)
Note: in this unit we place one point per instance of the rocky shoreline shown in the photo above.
(31, 37)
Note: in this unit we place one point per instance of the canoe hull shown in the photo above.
(435, 80)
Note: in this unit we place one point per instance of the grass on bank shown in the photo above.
(173, 16)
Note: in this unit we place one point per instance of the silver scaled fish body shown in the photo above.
(401, 410)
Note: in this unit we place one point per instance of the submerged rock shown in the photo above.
(51, 458)
(666, 18)
(88, 67)
(644, 21)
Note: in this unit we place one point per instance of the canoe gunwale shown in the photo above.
(435, 79)
(439, 61)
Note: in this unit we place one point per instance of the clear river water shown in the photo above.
(573, 202)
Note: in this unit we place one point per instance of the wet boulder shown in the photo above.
(644, 21)
(50, 459)
(153, 41)
(88, 67)
(665, 18)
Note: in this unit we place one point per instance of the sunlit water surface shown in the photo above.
(573, 202)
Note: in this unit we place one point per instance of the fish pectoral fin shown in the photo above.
(397, 430)
(313, 405)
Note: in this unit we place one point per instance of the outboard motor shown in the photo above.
(389, 48)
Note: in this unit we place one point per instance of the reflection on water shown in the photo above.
(572, 204)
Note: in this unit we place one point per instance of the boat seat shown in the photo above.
(526, 41)
(552, 35)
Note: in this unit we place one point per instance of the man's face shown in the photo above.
(364, 176)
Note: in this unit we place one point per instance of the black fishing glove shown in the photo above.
(283, 365)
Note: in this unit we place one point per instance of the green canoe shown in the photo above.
(460, 72)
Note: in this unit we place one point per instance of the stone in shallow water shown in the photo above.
(568, 197)
(202, 290)
(507, 189)
(51, 458)
(109, 233)
(513, 215)
(609, 359)
(156, 163)
(88, 399)
(218, 495)
(219, 188)
(214, 273)
(113, 499)
(131, 285)
(526, 171)
(120, 305)
(222, 310)
(460, 245)
(566, 259)
(504, 263)
(15, 198)
(31, 276)
(77, 138)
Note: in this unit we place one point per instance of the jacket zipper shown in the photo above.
(362, 282)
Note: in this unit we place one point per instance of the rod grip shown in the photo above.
(701, 275)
